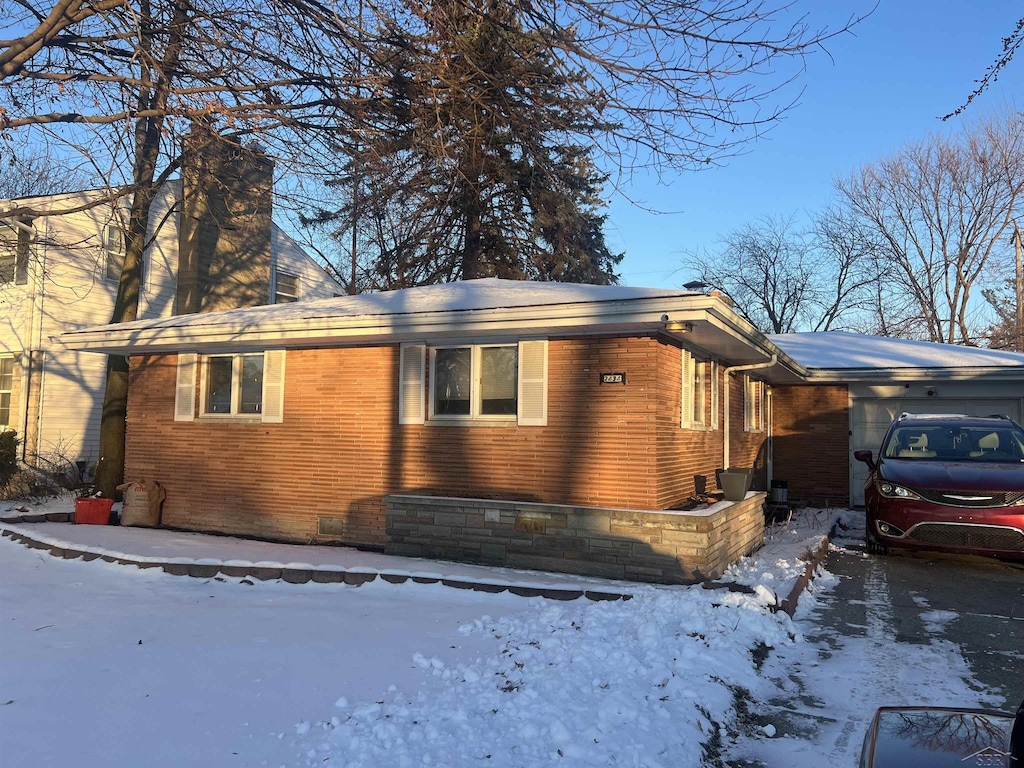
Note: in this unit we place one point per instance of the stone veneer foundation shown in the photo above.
(663, 546)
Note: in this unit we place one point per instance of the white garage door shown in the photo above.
(871, 417)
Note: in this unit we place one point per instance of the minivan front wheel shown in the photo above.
(874, 546)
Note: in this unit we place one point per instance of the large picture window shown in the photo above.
(233, 385)
(474, 381)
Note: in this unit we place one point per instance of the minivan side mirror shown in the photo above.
(866, 457)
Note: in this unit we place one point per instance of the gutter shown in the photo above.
(727, 373)
(889, 375)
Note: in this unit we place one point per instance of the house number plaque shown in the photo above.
(613, 378)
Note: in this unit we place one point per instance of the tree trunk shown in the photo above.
(154, 88)
(110, 467)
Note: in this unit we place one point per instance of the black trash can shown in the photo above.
(780, 492)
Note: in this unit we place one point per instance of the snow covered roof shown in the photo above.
(845, 353)
(489, 293)
(488, 307)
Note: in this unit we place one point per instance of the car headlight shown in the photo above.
(893, 491)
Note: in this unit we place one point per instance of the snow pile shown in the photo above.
(787, 549)
(647, 682)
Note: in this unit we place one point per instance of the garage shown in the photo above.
(884, 377)
(871, 415)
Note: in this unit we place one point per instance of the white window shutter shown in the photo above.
(273, 386)
(686, 405)
(713, 373)
(411, 375)
(185, 388)
(533, 383)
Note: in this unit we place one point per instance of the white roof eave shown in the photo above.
(707, 318)
(889, 374)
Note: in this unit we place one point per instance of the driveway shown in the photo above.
(903, 630)
(974, 602)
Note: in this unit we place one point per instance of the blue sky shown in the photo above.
(884, 86)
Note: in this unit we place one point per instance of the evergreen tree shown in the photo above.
(476, 166)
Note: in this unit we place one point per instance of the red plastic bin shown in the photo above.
(90, 511)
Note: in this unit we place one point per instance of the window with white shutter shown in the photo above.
(753, 405)
(533, 383)
(686, 381)
(411, 369)
(713, 376)
(474, 383)
(247, 386)
(185, 387)
(273, 386)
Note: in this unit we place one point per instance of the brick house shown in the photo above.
(529, 424)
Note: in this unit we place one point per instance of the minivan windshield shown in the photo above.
(946, 442)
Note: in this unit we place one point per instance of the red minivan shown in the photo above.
(947, 482)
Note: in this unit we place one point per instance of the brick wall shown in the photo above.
(322, 474)
(812, 442)
(682, 453)
(340, 448)
(746, 449)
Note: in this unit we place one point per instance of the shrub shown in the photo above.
(8, 456)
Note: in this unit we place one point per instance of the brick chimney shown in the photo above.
(224, 233)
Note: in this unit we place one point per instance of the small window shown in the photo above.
(713, 380)
(699, 389)
(113, 243)
(233, 385)
(6, 389)
(753, 405)
(474, 382)
(696, 377)
(287, 288)
(15, 239)
(7, 263)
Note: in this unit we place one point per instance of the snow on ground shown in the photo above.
(641, 683)
(819, 694)
(107, 665)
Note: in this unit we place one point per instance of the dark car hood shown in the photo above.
(949, 475)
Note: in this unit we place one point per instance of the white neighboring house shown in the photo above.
(60, 273)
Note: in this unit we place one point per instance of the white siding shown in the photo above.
(288, 256)
(76, 294)
(68, 289)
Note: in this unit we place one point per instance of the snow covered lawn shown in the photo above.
(108, 665)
